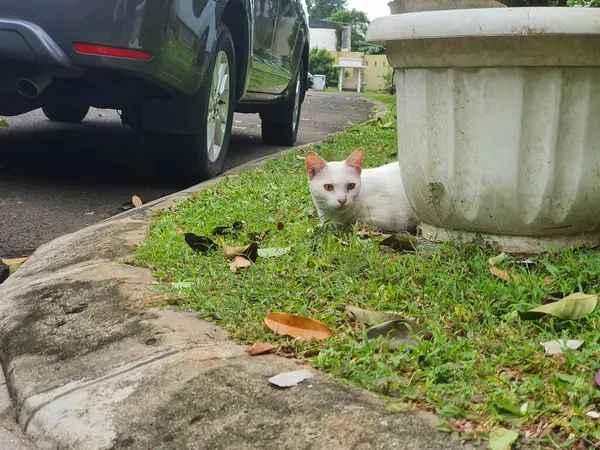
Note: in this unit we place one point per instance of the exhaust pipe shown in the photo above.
(33, 86)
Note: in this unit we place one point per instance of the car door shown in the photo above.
(285, 36)
(270, 73)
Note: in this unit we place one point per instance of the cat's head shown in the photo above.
(334, 185)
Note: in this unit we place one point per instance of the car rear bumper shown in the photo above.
(25, 42)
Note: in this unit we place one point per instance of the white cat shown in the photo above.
(344, 192)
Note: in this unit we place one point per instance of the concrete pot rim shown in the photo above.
(485, 22)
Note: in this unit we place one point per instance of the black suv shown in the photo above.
(174, 68)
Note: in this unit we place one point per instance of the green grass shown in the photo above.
(483, 362)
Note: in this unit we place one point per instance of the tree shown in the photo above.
(320, 62)
(371, 49)
(359, 21)
(591, 3)
(322, 9)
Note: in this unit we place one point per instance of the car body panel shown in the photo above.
(180, 34)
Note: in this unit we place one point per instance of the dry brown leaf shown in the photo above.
(248, 251)
(137, 202)
(239, 263)
(11, 261)
(296, 326)
(259, 348)
(19, 203)
(507, 276)
(504, 275)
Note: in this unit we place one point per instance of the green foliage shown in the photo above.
(388, 80)
(320, 62)
(359, 21)
(591, 3)
(322, 9)
(371, 49)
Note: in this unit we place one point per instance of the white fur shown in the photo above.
(378, 197)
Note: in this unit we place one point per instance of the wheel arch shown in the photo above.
(237, 16)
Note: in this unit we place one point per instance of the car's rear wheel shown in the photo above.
(280, 122)
(65, 111)
(202, 155)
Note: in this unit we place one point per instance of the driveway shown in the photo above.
(56, 178)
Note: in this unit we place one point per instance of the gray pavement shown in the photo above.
(91, 365)
(57, 178)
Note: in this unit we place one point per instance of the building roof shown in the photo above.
(317, 23)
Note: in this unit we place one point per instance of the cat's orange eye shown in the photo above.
(351, 186)
(328, 187)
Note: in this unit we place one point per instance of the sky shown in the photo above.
(373, 8)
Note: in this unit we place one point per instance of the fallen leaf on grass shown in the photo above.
(398, 407)
(557, 347)
(498, 259)
(507, 276)
(503, 275)
(296, 326)
(574, 306)
(136, 201)
(272, 252)
(571, 379)
(249, 251)
(289, 379)
(401, 333)
(239, 263)
(3, 123)
(199, 243)
(502, 439)
(369, 317)
(445, 427)
(401, 242)
(280, 225)
(593, 414)
(259, 348)
(11, 261)
(507, 407)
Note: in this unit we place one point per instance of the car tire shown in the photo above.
(280, 123)
(201, 156)
(68, 112)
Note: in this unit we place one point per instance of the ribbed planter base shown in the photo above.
(512, 244)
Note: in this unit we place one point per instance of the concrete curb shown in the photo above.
(90, 364)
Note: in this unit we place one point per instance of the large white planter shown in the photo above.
(499, 122)
(407, 6)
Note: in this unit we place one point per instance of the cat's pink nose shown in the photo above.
(341, 201)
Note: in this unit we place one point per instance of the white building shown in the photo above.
(322, 34)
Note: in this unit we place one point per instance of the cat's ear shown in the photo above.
(355, 160)
(314, 164)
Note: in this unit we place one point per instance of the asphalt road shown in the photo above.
(57, 178)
